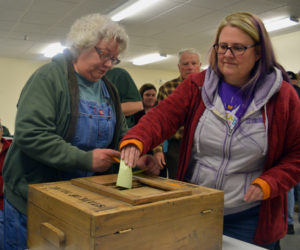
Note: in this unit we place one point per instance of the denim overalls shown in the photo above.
(95, 129)
(96, 120)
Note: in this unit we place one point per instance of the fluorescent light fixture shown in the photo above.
(53, 49)
(137, 6)
(280, 23)
(150, 58)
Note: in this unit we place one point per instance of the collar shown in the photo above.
(267, 87)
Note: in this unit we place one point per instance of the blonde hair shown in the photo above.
(88, 30)
(254, 27)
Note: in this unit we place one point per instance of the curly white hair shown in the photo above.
(88, 30)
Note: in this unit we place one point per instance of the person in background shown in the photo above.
(69, 120)
(241, 131)
(130, 98)
(4, 145)
(293, 80)
(148, 93)
(6, 132)
(188, 63)
(291, 193)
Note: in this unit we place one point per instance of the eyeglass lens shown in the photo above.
(105, 57)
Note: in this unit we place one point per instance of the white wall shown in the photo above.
(15, 72)
(287, 51)
(156, 77)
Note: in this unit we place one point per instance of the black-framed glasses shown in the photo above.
(106, 57)
(236, 50)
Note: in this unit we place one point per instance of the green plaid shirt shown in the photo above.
(165, 90)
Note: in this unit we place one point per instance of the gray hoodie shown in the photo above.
(230, 159)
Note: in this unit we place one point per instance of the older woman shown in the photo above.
(69, 120)
(242, 130)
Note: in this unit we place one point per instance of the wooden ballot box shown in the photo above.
(93, 213)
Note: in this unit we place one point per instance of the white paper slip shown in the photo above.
(124, 176)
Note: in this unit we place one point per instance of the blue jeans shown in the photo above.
(15, 228)
(242, 226)
(291, 203)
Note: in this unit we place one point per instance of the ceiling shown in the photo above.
(28, 26)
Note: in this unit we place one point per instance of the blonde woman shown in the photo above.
(241, 131)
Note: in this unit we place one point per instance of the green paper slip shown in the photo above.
(124, 176)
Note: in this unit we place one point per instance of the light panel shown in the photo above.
(280, 23)
(53, 49)
(150, 58)
(133, 9)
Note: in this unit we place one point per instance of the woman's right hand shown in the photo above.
(160, 157)
(130, 154)
(103, 158)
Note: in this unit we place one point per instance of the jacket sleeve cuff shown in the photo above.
(135, 142)
(264, 186)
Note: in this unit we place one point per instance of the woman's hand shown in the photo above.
(160, 157)
(254, 193)
(130, 155)
(149, 164)
(102, 159)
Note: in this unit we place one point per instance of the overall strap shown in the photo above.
(74, 94)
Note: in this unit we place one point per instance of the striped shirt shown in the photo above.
(164, 91)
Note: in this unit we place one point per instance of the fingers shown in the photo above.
(160, 157)
(102, 159)
(112, 153)
(254, 193)
(130, 154)
(123, 153)
(163, 161)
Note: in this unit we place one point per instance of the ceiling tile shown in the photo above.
(165, 27)
(15, 4)
(10, 15)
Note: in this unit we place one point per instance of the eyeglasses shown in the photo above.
(106, 57)
(236, 50)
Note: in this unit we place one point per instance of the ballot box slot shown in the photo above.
(144, 190)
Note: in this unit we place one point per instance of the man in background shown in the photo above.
(188, 63)
(131, 101)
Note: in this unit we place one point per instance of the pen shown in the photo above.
(116, 159)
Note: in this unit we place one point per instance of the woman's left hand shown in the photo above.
(254, 193)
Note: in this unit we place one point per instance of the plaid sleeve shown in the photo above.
(162, 93)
